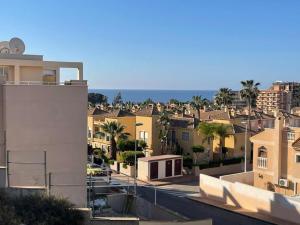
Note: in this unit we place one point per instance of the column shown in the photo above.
(17, 74)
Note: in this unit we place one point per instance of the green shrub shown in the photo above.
(127, 157)
(38, 210)
(232, 161)
(198, 148)
(111, 162)
(187, 162)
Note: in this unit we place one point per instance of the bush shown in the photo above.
(37, 210)
(198, 148)
(127, 145)
(187, 162)
(127, 157)
(232, 161)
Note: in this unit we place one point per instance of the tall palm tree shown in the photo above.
(222, 132)
(115, 130)
(198, 103)
(249, 92)
(224, 97)
(164, 122)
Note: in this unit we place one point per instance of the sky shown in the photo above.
(162, 44)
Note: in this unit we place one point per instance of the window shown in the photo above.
(107, 138)
(262, 152)
(4, 72)
(290, 136)
(298, 158)
(185, 136)
(89, 133)
(144, 136)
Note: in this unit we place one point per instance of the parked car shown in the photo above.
(97, 170)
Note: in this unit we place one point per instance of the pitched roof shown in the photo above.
(214, 115)
(96, 111)
(296, 144)
(119, 113)
(148, 111)
(182, 122)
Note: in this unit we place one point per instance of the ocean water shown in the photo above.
(155, 95)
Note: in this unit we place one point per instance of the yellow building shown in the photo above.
(276, 161)
(97, 117)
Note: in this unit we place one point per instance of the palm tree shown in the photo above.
(222, 132)
(164, 122)
(198, 103)
(207, 130)
(115, 130)
(249, 92)
(224, 97)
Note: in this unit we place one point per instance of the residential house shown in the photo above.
(276, 161)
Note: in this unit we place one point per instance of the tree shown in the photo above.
(197, 149)
(97, 98)
(198, 103)
(117, 100)
(147, 102)
(249, 92)
(224, 97)
(115, 130)
(222, 132)
(207, 130)
(164, 122)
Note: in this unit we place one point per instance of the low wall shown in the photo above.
(245, 178)
(250, 198)
(228, 169)
(129, 170)
(114, 166)
(2, 177)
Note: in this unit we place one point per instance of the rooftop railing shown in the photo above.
(65, 83)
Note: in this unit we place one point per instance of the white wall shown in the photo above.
(250, 198)
(53, 119)
(245, 177)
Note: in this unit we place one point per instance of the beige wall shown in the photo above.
(250, 198)
(30, 73)
(53, 119)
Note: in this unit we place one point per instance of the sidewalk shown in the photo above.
(241, 211)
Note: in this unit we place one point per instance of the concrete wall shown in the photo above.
(228, 169)
(53, 119)
(245, 177)
(129, 170)
(250, 198)
(143, 170)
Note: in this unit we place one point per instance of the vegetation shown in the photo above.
(249, 92)
(127, 157)
(187, 161)
(198, 103)
(197, 149)
(127, 145)
(224, 97)
(117, 102)
(164, 122)
(97, 98)
(217, 163)
(38, 210)
(207, 130)
(115, 130)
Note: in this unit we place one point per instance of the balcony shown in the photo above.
(66, 83)
(262, 162)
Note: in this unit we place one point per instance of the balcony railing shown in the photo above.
(71, 82)
(262, 162)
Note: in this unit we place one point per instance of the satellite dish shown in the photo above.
(16, 46)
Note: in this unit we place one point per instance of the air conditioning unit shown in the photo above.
(283, 183)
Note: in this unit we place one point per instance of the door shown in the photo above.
(153, 170)
(178, 167)
(168, 168)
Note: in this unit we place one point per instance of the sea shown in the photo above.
(156, 95)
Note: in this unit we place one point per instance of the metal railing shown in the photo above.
(65, 83)
(262, 162)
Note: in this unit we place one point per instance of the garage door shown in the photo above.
(177, 169)
(153, 170)
(168, 168)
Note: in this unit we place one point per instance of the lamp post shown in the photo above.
(135, 149)
(246, 136)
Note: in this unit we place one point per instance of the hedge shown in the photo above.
(127, 157)
(217, 163)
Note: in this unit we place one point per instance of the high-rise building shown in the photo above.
(281, 96)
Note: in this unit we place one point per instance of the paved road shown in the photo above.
(196, 210)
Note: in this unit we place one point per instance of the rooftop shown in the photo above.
(159, 157)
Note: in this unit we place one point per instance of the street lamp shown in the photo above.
(246, 135)
(135, 148)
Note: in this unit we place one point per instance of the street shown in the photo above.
(196, 210)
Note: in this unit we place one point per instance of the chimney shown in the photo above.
(278, 131)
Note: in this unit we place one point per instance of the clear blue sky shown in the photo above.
(163, 44)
